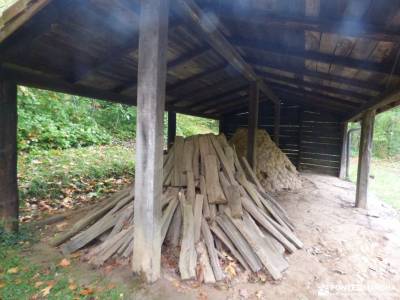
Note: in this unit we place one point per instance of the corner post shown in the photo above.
(171, 128)
(364, 160)
(153, 45)
(277, 122)
(343, 156)
(9, 202)
(254, 94)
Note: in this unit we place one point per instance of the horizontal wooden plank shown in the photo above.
(319, 169)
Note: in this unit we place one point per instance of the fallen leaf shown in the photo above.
(86, 292)
(111, 286)
(2, 284)
(38, 284)
(259, 294)
(13, 270)
(72, 286)
(230, 270)
(46, 290)
(64, 263)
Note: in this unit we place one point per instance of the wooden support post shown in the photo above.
(343, 156)
(252, 123)
(153, 43)
(171, 128)
(221, 125)
(277, 122)
(364, 159)
(8, 156)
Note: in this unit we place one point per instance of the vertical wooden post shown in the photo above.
(171, 128)
(221, 125)
(254, 94)
(153, 44)
(343, 156)
(300, 140)
(364, 159)
(9, 204)
(277, 122)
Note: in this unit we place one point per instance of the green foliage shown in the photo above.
(189, 125)
(49, 120)
(47, 173)
(386, 141)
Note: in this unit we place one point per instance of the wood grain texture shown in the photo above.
(153, 37)
(364, 159)
(9, 200)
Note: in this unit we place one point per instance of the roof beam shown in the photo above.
(43, 81)
(198, 77)
(380, 101)
(315, 56)
(228, 14)
(18, 14)
(204, 93)
(213, 35)
(180, 61)
(303, 71)
(302, 90)
(273, 78)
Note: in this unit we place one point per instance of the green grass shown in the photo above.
(20, 279)
(60, 173)
(385, 179)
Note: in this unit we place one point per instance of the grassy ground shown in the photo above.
(56, 179)
(384, 181)
(21, 279)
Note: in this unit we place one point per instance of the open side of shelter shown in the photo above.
(300, 69)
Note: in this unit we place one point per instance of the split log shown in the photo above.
(179, 178)
(174, 230)
(196, 158)
(232, 193)
(188, 255)
(59, 239)
(240, 243)
(203, 190)
(167, 217)
(214, 191)
(264, 221)
(224, 239)
(224, 161)
(209, 241)
(198, 216)
(205, 266)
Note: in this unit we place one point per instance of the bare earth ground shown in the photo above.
(348, 253)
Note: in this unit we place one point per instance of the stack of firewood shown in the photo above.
(212, 203)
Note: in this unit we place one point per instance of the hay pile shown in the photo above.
(215, 217)
(274, 170)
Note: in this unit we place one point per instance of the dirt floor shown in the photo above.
(348, 253)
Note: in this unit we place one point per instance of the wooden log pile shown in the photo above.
(212, 204)
(274, 170)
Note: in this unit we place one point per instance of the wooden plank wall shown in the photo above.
(310, 138)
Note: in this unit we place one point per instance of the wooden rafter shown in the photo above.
(303, 71)
(302, 89)
(176, 63)
(353, 28)
(358, 97)
(221, 45)
(378, 102)
(316, 56)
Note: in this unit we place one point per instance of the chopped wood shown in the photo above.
(188, 255)
(214, 190)
(198, 216)
(205, 266)
(232, 193)
(212, 203)
(179, 178)
(174, 230)
(209, 241)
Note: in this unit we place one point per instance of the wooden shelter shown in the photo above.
(301, 69)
